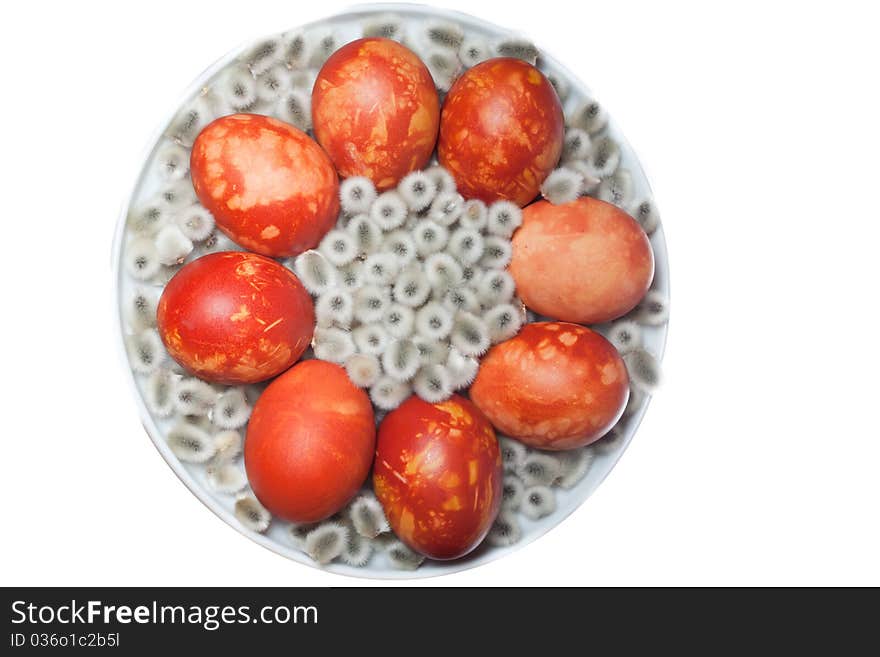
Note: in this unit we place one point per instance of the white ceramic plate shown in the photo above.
(347, 26)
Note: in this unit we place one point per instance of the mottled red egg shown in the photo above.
(501, 131)
(586, 261)
(234, 317)
(269, 186)
(310, 442)
(438, 475)
(375, 111)
(553, 386)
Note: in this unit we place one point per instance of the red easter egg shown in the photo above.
(501, 131)
(235, 317)
(375, 111)
(586, 261)
(553, 386)
(438, 475)
(310, 442)
(269, 186)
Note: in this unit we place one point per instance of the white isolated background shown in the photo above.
(758, 461)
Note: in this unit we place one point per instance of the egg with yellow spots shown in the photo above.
(375, 110)
(234, 317)
(586, 261)
(501, 131)
(310, 442)
(553, 386)
(269, 186)
(438, 475)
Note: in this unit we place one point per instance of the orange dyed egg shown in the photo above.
(269, 186)
(501, 131)
(586, 261)
(310, 442)
(438, 475)
(554, 386)
(375, 111)
(235, 317)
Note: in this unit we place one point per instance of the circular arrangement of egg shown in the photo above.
(216, 316)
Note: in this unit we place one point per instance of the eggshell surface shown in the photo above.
(501, 131)
(553, 386)
(438, 475)
(310, 442)
(269, 186)
(234, 317)
(586, 261)
(375, 111)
